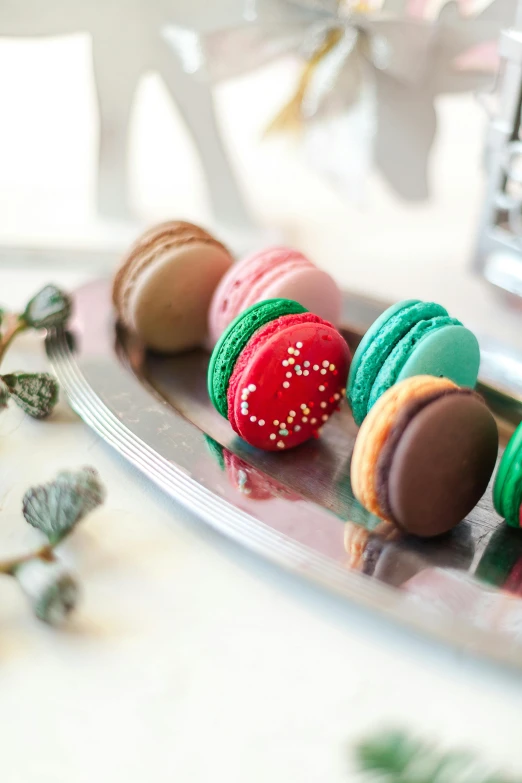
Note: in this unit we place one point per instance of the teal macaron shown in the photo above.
(410, 338)
(507, 489)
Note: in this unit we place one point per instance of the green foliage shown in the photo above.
(395, 757)
(51, 307)
(35, 393)
(56, 507)
(52, 591)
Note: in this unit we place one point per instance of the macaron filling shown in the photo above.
(234, 339)
(378, 343)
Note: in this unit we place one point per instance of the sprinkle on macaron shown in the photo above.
(248, 382)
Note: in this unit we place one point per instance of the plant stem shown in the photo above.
(15, 325)
(8, 567)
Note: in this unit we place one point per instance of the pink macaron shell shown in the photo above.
(311, 287)
(236, 285)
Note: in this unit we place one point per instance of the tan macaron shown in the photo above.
(163, 287)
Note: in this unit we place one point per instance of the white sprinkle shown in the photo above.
(303, 406)
(244, 411)
(251, 387)
(306, 372)
(299, 345)
(324, 418)
(304, 419)
(286, 385)
(337, 396)
(326, 363)
(315, 367)
(293, 413)
(275, 422)
(261, 422)
(273, 437)
(285, 363)
(280, 444)
(288, 374)
(290, 350)
(296, 353)
(307, 364)
(323, 405)
(321, 388)
(297, 428)
(252, 418)
(313, 421)
(323, 372)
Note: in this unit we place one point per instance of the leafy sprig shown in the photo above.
(54, 509)
(35, 393)
(396, 757)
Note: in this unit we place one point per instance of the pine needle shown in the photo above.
(395, 757)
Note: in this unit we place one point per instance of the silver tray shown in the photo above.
(297, 509)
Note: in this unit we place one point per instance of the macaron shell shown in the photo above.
(311, 287)
(378, 343)
(279, 405)
(442, 464)
(451, 352)
(168, 303)
(258, 339)
(376, 429)
(431, 347)
(233, 295)
(234, 339)
(508, 481)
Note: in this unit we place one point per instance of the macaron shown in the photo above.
(274, 273)
(278, 373)
(507, 489)
(410, 338)
(164, 285)
(501, 562)
(424, 455)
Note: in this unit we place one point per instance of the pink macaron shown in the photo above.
(274, 273)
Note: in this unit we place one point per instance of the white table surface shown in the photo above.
(191, 660)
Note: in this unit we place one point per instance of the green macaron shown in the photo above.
(234, 339)
(410, 338)
(507, 489)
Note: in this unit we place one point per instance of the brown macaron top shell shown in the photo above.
(164, 284)
(437, 461)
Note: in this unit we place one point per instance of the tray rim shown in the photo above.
(245, 529)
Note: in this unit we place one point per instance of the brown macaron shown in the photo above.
(424, 455)
(163, 287)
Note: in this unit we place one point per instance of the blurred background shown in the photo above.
(107, 126)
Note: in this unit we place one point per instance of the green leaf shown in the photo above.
(55, 508)
(52, 591)
(35, 393)
(395, 757)
(49, 308)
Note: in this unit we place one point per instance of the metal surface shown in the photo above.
(297, 508)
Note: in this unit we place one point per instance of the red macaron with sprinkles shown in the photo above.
(278, 373)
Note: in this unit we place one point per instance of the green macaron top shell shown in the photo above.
(507, 489)
(378, 343)
(234, 339)
(391, 369)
